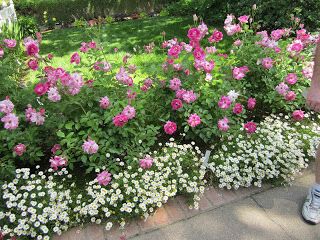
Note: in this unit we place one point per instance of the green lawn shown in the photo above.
(126, 36)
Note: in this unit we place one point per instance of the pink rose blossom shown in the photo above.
(267, 63)
(38, 117)
(232, 29)
(176, 104)
(174, 51)
(6, 106)
(146, 162)
(188, 48)
(33, 64)
(237, 43)
(277, 49)
(57, 161)
(296, 46)
(104, 178)
(211, 50)
(194, 34)
(55, 148)
(243, 19)
(216, 36)
(92, 45)
(282, 88)
(75, 58)
(11, 121)
(20, 149)
(175, 84)
(53, 94)
(29, 111)
(132, 68)
(199, 54)
(131, 95)
(291, 78)
(32, 47)
(239, 72)
(238, 108)
(251, 103)
(90, 147)
(10, 43)
(203, 29)
(189, 96)
(298, 115)
(75, 83)
(224, 102)
(250, 127)
(223, 124)
(277, 34)
(1, 52)
(41, 89)
(50, 56)
(194, 120)
(120, 120)
(170, 127)
(102, 66)
(104, 102)
(129, 111)
(290, 96)
(84, 48)
(208, 66)
(123, 77)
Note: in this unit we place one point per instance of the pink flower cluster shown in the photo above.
(239, 72)
(267, 63)
(90, 147)
(102, 66)
(57, 161)
(104, 178)
(75, 58)
(216, 36)
(194, 120)
(10, 120)
(298, 115)
(104, 102)
(146, 85)
(284, 90)
(85, 47)
(170, 127)
(127, 113)
(10, 43)
(53, 94)
(123, 77)
(35, 117)
(20, 149)
(223, 124)
(230, 27)
(146, 162)
(250, 127)
(31, 46)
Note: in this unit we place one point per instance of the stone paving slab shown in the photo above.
(247, 213)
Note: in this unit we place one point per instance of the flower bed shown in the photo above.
(92, 118)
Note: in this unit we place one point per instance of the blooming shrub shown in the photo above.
(279, 150)
(36, 205)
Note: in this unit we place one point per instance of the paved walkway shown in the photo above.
(257, 214)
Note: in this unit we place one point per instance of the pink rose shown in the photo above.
(216, 36)
(129, 112)
(41, 89)
(11, 121)
(298, 115)
(146, 162)
(33, 64)
(10, 43)
(194, 34)
(170, 127)
(194, 120)
(250, 127)
(175, 84)
(104, 102)
(267, 63)
(189, 96)
(20, 149)
(223, 124)
(237, 43)
(176, 104)
(251, 103)
(224, 102)
(75, 58)
(1, 52)
(6, 106)
(120, 120)
(243, 19)
(290, 96)
(291, 78)
(90, 147)
(282, 88)
(199, 54)
(238, 108)
(57, 161)
(174, 51)
(104, 178)
(55, 148)
(32, 47)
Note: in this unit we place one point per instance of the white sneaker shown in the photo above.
(311, 209)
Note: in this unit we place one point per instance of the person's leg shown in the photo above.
(311, 207)
(317, 173)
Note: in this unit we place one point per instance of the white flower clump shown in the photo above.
(278, 149)
(39, 205)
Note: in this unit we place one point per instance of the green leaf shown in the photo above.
(60, 134)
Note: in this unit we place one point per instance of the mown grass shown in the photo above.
(127, 36)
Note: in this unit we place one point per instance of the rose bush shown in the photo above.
(93, 114)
